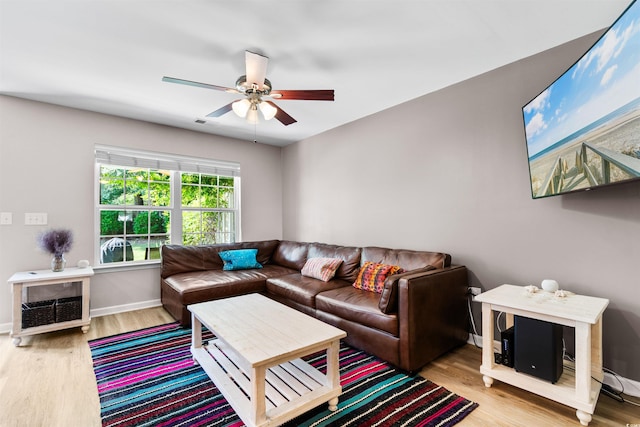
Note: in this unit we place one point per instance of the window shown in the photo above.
(207, 209)
(145, 200)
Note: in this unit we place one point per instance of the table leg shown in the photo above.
(487, 341)
(86, 288)
(583, 362)
(16, 326)
(196, 333)
(257, 396)
(584, 417)
(488, 381)
(333, 371)
(596, 350)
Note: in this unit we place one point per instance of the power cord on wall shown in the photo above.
(474, 331)
(500, 314)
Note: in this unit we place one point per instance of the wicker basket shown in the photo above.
(38, 313)
(68, 309)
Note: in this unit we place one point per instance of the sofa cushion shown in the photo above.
(389, 298)
(239, 259)
(407, 259)
(198, 286)
(301, 289)
(372, 276)
(201, 286)
(291, 254)
(321, 268)
(357, 306)
(350, 256)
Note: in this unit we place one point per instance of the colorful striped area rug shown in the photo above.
(147, 378)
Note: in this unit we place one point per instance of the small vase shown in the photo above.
(58, 263)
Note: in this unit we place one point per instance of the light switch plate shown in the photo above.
(35, 218)
(6, 218)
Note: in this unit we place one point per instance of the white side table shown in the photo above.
(581, 312)
(71, 279)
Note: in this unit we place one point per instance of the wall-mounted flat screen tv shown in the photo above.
(583, 131)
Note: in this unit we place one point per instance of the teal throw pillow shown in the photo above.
(239, 259)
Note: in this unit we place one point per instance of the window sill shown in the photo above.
(118, 267)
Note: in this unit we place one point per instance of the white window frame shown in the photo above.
(124, 157)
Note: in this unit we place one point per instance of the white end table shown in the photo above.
(581, 312)
(28, 279)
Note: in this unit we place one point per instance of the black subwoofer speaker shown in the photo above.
(538, 348)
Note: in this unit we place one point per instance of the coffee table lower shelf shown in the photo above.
(289, 389)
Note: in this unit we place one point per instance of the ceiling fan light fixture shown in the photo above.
(268, 110)
(241, 107)
(252, 114)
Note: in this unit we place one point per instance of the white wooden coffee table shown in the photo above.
(255, 358)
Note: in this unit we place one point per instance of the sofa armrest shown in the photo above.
(389, 298)
(432, 314)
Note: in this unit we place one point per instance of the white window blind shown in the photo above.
(119, 156)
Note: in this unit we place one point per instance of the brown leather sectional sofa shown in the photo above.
(420, 315)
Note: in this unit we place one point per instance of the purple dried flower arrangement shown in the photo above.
(56, 241)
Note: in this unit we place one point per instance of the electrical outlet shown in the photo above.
(475, 291)
(35, 218)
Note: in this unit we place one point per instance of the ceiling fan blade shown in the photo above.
(282, 117)
(220, 111)
(198, 84)
(256, 68)
(311, 95)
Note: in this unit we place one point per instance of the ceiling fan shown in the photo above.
(255, 86)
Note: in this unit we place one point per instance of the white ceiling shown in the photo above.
(109, 56)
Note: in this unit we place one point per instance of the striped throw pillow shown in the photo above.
(321, 268)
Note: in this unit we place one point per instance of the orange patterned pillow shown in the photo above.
(372, 275)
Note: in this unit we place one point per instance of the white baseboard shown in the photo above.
(631, 387)
(98, 312)
(5, 328)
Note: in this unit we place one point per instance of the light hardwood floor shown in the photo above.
(48, 381)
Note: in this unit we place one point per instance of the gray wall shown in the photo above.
(448, 172)
(46, 165)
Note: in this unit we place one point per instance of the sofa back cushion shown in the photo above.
(407, 259)
(182, 259)
(350, 256)
(291, 254)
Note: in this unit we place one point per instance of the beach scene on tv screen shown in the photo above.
(583, 131)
